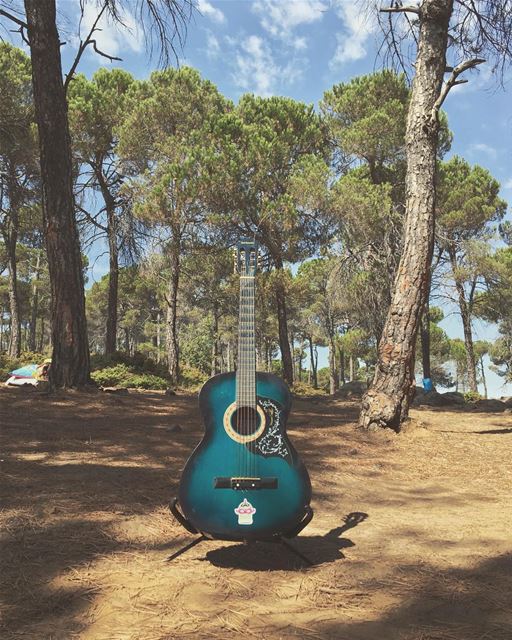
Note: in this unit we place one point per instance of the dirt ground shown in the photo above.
(411, 537)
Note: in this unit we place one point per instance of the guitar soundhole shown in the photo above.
(245, 421)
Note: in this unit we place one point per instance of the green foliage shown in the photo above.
(139, 371)
(124, 376)
(467, 200)
(367, 117)
(261, 163)
(305, 389)
(323, 378)
(96, 108)
(501, 353)
(196, 345)
(363, 209)
(472, 396)
(17, 131)
(191, 377)
(138, 363)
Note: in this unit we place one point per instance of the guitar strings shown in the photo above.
(246, 403)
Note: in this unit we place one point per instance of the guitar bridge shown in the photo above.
(245, 484)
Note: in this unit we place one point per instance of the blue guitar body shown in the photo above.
(245, 481)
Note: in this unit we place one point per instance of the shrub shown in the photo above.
(138, 363)
(305, 389)
(191, 377)
(124, 376)
(472, 396)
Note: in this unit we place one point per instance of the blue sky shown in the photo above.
(300, 48)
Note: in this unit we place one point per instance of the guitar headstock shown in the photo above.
(246, 257)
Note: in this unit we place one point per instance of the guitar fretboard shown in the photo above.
(246, 370)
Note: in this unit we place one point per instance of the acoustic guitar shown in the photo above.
(245, 481)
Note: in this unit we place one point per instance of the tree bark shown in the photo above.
(386, 404)
(282, 320)
(113, 281)
(351, 369)
(70, 358)
(425, 342)
(10, 239)
(299, 362)
(158, 339)
(41, 336)
(313, 363)
(10, 234)
(466, 323)
(172, 307)
(292, 351)
(34, 304)
(341, 358)
(484, 381)
(215, 343)
(333, 375)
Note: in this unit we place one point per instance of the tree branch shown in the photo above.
(85, 43)
(101, 53)
(407, 9)
(452, 81)
(20, 23)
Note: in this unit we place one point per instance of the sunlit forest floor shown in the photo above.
(411, 538)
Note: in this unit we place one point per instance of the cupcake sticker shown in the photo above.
(245, 511)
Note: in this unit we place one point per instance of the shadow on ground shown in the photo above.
(268, 556)
(450, 604)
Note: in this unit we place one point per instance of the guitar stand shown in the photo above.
(308, 515)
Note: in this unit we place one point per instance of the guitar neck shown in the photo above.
(246, 371)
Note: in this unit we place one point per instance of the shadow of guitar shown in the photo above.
(270, 556)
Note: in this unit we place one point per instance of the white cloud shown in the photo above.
(256, 69)
(113, 39)
(299, 44)
(480, 147)
(208, 10)
(212, 45)
(508, 184)
(357, 28)
(280, 17)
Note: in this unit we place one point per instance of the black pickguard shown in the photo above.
(273, 442)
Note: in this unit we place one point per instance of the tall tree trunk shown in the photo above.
(313, 363)
(41, 336)
(10, 240)
(386, 403)
(215, 343)
(299, 362)
(466, 323)
(34, 305)
(292, 351)
(341, 358)
(333, 375)
(70, 358)
(425, 343)
(351, 368)
(484, 381)
(113, 280)
(158, 338)
(228, 355)
(282, 321)
(172, 308)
